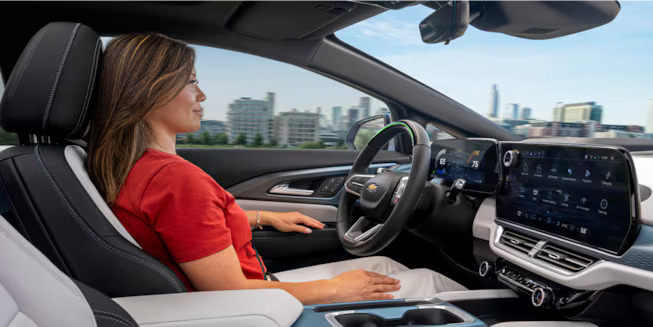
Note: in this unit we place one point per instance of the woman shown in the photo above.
(148, 94)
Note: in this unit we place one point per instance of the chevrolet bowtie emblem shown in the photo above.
(372, 187)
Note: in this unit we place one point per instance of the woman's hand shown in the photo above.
(361, 285)
(290, 221)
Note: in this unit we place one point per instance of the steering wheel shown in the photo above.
(387, 199)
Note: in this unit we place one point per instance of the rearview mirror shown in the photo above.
(448, 22)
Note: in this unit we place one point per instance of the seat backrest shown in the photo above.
(48, 101)
(33, 292)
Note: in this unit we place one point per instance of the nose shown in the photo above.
(201, 97)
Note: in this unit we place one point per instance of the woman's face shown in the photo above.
(184, 113)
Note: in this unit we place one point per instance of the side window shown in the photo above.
(436, 134)
(257, 102)
(5, 138)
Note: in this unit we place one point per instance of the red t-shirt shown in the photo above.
(178, 213)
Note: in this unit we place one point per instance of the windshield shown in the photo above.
(596, 83)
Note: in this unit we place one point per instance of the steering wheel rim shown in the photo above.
(356, 237)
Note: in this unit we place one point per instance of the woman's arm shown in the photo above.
(222, 271)
(284, 221)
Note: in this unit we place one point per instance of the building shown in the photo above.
(649, 123)
(526, 113)
(494, 102)
(512, 110)
(336, 116)
(294, 127)
(571, 113)
(364, 107)
(352, 117)
(251, 117)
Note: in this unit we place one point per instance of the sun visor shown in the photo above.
(541, 20)
(288, 19)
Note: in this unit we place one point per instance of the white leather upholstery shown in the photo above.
(544, 324)
(266, 307)
(76, 158)
(33, 292)
(476, 295)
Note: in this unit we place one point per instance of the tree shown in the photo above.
(222, 139)
(242, 139)
(273, 142)
(206, 138)
(258, 140)
(190, 138)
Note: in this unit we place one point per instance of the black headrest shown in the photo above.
(50, 91)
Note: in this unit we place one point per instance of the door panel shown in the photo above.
(232, 166)
(249, 174)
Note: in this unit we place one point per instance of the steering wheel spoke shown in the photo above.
(399, 191)
(355, 183)
(362, 230)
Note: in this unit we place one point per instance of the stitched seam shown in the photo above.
(55, 84)
(98, 315)
(93, 235)
(114, 315)
(89, 87)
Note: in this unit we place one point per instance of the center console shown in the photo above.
(392, 313)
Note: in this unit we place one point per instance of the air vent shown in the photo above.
(519, 242)
(564, 258)
(539, 30)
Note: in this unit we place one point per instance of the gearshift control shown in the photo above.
(457, 186)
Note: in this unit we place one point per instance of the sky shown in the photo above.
(611, 64)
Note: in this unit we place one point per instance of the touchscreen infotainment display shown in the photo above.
(583, 194)
(474, 160)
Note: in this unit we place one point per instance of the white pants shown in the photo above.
(420, 282)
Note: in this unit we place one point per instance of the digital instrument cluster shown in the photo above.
(586, 194)
(473, 160)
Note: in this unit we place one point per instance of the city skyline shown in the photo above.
(609, 64)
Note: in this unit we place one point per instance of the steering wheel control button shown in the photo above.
(399, 191)
(510, 158)
(541, 297)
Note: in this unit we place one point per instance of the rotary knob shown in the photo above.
(486, 269)
(541, 297)
(510, 158)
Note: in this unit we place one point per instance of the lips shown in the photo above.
(200, 112)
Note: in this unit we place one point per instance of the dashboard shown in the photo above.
(578, 217)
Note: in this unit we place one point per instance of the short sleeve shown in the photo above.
(185, 205)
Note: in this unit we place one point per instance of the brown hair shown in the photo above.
(140, 73)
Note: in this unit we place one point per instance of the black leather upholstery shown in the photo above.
(49, 91)
(50, 206)
(107, 312)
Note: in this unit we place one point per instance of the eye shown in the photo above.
(194, 82)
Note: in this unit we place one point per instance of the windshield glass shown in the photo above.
(596, 83)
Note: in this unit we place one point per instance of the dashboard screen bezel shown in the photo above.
(497, 166)
(633, 188)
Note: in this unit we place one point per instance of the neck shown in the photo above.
(163, 140)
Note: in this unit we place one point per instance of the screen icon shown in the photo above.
(583, 200)
(566, 197)
(569, 171)
(607, 176)
(535, 192)
(587, 173)
(538, 169)
(554, 170)
(604, 204)
(583, 230)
